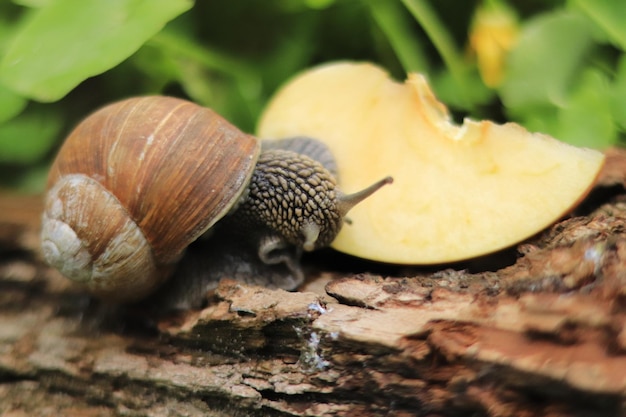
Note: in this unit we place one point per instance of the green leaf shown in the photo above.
(618, 95)
(67, 41)
(586, 120)
(442, 39)
(396, 26)
(35, 4)
(445, 87)
(11, 104)
(608, 15)
(27, 138)
(32, 181)
(541, 67)
(208, 77)
(544, 119)
(319, 4)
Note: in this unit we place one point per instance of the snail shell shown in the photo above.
(133, 185)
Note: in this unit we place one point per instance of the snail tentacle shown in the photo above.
(296, 195)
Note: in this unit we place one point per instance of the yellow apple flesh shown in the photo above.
(459, 191)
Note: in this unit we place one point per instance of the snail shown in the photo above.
(138, 181)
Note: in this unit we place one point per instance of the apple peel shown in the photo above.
(459, 191)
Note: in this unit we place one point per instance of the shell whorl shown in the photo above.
(111, 256)
(134, 184)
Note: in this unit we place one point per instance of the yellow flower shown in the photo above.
(493, 33)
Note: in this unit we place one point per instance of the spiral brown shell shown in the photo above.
(137, 182)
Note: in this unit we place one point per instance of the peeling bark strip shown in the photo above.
(544, 336)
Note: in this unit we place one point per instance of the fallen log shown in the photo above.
(542, 333)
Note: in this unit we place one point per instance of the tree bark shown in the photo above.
(542, 333)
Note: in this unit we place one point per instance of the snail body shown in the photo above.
(139, 180)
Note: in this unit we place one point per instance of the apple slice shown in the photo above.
(458, 191)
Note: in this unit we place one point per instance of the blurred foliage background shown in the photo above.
(554, 66)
